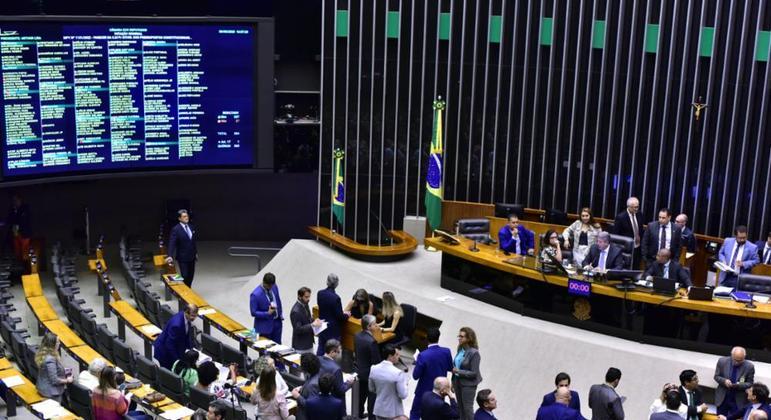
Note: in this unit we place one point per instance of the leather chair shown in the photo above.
(211, 346)
(123, 355)
(88, 325)
(79, 400)
(506, 209)
(146, 370)
(200, 398)
(627, 248)
(104, 341)
(165, 314)
(476, 229)
(555, 217)
(233, 355)
(171, 384)
(754, 283)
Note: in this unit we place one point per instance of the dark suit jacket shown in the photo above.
(367, 354)
(697, 400)
(468, 374)
(739, 414)
(676, 272)
(20, 217)
(605, 403)
(330, 310)
(259, 304)
(650, 241)
(481, 414)
(173, 341)
(330, 366)
(689, 239)
(745, 376)
(182, 247)
(324, 407)
(558, 411)
(761, 247)
(665, 415)
(623, 226)
(302, 330)
(433, 362)
(614, 260)
(575, 400)
(433, 407)
(526, 238)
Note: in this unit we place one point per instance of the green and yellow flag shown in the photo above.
(434, 175)
(338, 188)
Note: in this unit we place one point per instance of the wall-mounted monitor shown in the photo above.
(109, 94)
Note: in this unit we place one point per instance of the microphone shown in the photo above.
(474, 247)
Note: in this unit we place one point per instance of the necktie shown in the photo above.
(692, 403)
(603, 256)
(663, 238)
(187, 230)
(666, 271)
(733, 258)
(308, 312)
(766, 256)
(636, 230)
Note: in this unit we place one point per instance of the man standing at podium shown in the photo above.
(182, 247)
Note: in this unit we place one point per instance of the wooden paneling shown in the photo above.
(404, 243)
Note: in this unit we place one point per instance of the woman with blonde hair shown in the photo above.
(392, 314)
(52, 377)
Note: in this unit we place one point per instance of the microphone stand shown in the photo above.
(474, 247)
(751, 303)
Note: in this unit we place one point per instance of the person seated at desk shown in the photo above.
(584, 233)
(551, 253)
(764, 250)
(262, 363)
(207, 379)
(665, 267)
(359, 305)
(604, 255)
(185, 369)
(562, 381)
(90, 378)
(515, 238)
(108, 403)
(739, 254)
(392, 313)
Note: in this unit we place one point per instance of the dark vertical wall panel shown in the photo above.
(550, 110)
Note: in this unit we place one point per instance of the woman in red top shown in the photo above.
(107, 402)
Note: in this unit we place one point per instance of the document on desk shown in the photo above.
(150, 329)
(278, 348)
(13, 381)
(177, 413)
(49, 409)
(320, 328)
(207, 311)
(263, 344)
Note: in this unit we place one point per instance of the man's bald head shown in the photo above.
(663, 256)
(563, 395)
(758, 415)
(738, 354)
(440, 383)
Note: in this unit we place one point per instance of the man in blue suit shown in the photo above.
(265, 306)
(176, 337)
(560, 410)
(562, 381)
(182, 247)
(739, 254)
(764, 250)
(433, 362)
(324, 406)
(330, 310)
(487, 403)
(433, 407)
(757, 395)
(329, 364)
(515, 238)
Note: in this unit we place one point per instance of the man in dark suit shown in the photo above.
(182, 247)
(324, 406)
(560, 409)
(604, 401)
(672, 401)
(367, 354)
(665, 267)
(629, 223)
(604, 255)
(757, 395)
(265, 306)
(764, 250)
(432, 405)
(690, 395)
(333, 351)
(516, 238)
(661, 234)
(562, 381)
(487, 403)
(176, 337)
(303, 322)
(733, 375)
(331, 311)
(687, 236)
(433, 362)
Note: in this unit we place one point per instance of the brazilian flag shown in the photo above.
(338, 188)
(434, 175)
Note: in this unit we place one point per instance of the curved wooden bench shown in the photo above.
(404, 245)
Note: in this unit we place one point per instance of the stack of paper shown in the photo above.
(320, 328)
(49, 409)
(150, 329)
(207, 311)
(13, 381)
(177, 413)
(263, 344)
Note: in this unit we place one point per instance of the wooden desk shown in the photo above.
(42, 309)
(352, 327)
(27, 393)
(92, 264)
(31, 284)
(222, 321)
(404, 245)
(5, 364)
(127, 314)
(65, 334)
(487, 257)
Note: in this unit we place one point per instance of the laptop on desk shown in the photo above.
(664, 286)
(700, 293)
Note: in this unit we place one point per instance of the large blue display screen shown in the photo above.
(94, 96)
